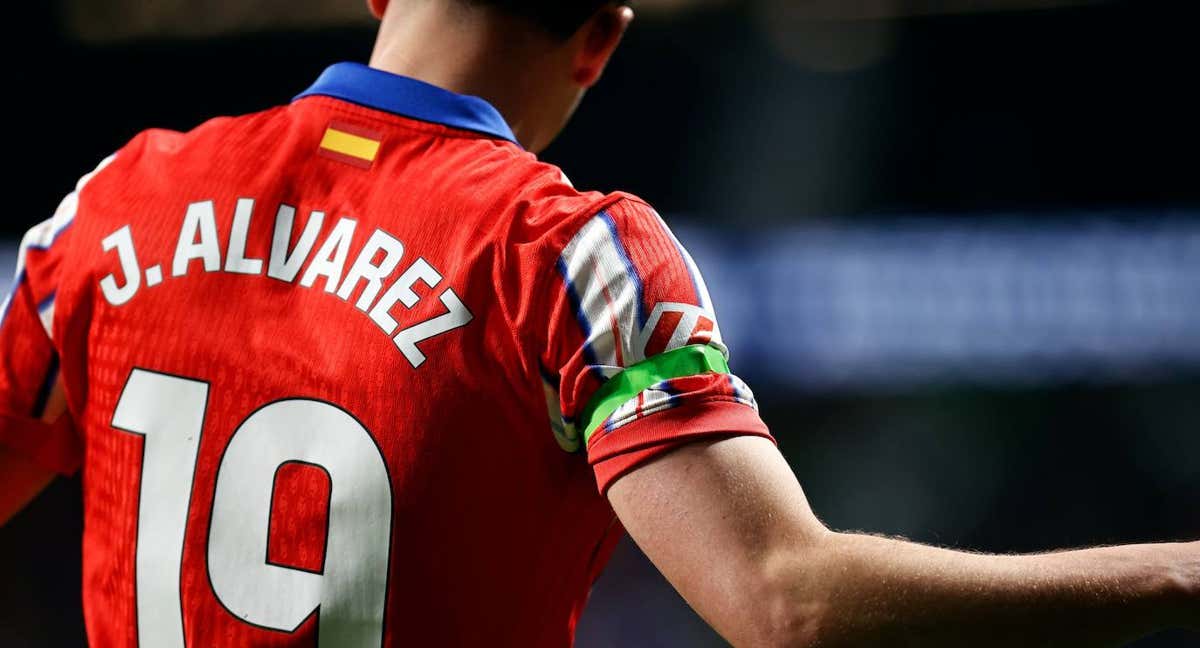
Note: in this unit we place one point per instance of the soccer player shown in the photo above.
(360, 370)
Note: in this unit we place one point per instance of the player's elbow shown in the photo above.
(788, 623)
(791, 621)
(792, 607)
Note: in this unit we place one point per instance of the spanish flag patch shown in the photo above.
(351, 144)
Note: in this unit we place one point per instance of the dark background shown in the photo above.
(746, 116)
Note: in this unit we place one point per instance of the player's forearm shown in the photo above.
(727, 523)
(877, 591)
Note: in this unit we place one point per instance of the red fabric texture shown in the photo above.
(496, 533)
(616, 454)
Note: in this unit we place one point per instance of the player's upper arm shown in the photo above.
(725, 521)
(634, 362)
(32, 421)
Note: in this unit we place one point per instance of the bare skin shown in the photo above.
(730, 527)
(726, 521)
(534, 79)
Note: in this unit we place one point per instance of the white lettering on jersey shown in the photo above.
(331, 258)
(378, 260)
(365, 268)
(122, 240)
(456, 316)
(286, 265)
(235, 256)
(401, 292)
(200, 220)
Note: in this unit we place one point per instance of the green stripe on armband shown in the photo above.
(625, 386)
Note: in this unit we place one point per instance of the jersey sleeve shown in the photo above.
(635, 356)
(29, 359)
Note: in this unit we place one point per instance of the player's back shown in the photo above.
(327, 368)
(304, 388)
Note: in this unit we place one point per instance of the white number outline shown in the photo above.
(191, 494)
(271, 515)
(137, 541)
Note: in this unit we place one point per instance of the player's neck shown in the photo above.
(470, 52)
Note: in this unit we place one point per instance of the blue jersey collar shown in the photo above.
(407, 97)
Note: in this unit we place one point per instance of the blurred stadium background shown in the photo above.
(954, 244)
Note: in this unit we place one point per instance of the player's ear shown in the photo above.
(377, 7)
(599, 38)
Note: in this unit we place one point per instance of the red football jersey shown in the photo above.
(354, 371)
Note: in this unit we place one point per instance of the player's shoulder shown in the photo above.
(154, 150)
(157, 158)
(541, 205)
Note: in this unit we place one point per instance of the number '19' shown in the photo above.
(350, 592)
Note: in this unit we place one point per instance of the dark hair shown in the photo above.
(562, 18)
